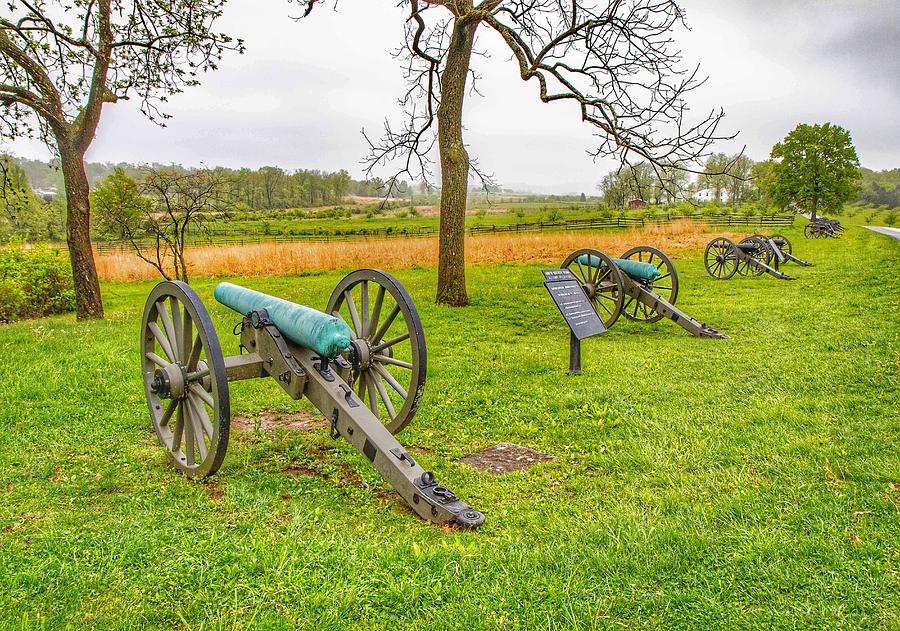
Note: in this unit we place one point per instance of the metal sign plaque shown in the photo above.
(573, 303)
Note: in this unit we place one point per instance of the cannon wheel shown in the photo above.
(762, 253)
(389, 373)
(193, 417)
(721, 258)
(787, 248)
(666, 285)
(810, 231)
(602, 283)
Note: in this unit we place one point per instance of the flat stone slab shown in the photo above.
(505, 458)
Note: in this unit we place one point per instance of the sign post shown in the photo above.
(576, 310)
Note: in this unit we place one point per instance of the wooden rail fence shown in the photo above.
(599, 223)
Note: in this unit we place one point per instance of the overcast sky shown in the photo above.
(303, 91)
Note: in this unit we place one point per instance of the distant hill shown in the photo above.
(881, 188)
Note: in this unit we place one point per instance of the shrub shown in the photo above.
(34, 282)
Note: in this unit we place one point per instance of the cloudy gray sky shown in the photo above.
(304, 90)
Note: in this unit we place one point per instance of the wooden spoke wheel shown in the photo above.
(812, 231)
(184, 379)
(721, 258)
(388, 353)
(666, 285)
(786, 246)
(761, 252)
(601, 280)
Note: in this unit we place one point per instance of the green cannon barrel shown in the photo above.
(635, 269)
(325, 334)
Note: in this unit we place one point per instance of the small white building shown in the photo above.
(47, 194)
(709, 195)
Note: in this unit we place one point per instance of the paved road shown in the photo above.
(891, 232)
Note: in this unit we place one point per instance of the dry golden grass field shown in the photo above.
(267, 259)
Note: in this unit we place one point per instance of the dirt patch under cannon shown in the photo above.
(302, 420)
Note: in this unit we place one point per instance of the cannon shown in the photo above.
(751, 257)
(642, 285)
(362, 364)
(782, 249)
(823, 227)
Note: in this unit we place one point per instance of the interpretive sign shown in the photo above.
(576, 309)
(573, 303)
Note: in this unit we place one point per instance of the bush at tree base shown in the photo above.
(35, 281)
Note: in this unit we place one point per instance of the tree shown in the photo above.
(815, 168)
(272, 181)
(613, 60)
(63, 60)
(739, 176)
(761, 175)
(662, 184)
(714, 176)
(23, 214)
(158, 215)
(16, 197)
(674, 182)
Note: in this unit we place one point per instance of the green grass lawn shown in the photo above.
(748, 482)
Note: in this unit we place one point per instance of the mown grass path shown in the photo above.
(749, 482)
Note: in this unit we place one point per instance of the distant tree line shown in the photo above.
(880, 188)
(24, 215)
(729, 178)
(265, 188)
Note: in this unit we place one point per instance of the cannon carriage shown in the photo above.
(362, 364)
(642, 285)
(783, 250)
(822, 228)
(752, 256)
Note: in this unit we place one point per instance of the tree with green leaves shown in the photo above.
(815, 168)
(739, 185)
(63, 60)
(158, 215)
(24, 215)
(714, 176)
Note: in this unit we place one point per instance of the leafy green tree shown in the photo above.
(22, 213)
(714, 176)
(762, 175)
(158, 215)
(815, 168)
(738, 185)
(614, 189)
(63, 61)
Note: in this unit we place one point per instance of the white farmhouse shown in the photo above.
(709, 195)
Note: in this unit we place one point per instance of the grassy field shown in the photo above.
(749, 482)
(267, 259)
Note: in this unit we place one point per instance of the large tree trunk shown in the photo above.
(451, 288)
(78, 234)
